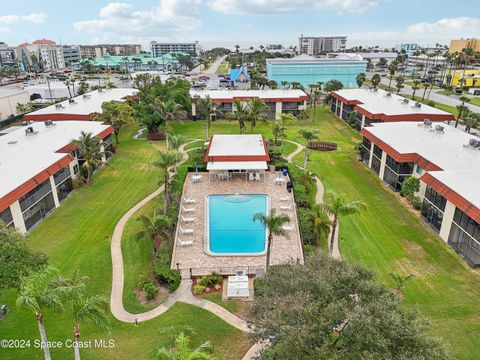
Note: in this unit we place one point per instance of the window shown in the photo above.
(467, 224)
(61, 175)
(465, 245)
(376, 163)
(6, 216)
(36, 194)
(75, 169)
(435, 198)
(377, 151)
(38, 211)
(432, 215)
(419, 170)
(64, 189)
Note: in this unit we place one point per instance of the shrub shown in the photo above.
(150, 290)
(410, 187)
(168, 276)
(309, 249)
(431, 103)
(211, 280)
(198, 289)
(417, 203)
(305, 225)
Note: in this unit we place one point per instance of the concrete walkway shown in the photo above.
(335, 252)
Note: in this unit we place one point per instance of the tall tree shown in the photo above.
(117, 114)
(240, 114)
(415, 87)
(336, 205)
(16, 258)
(399, 80)
(360, 79)
(278, 130)
(256, 111)
(182, 351)
(83, 308)
(40, 291)
(166, 160)
(329, 309)
(308, 135)
(205, 107)
(392, 69)
(376, 80)
(461, 109)
(274, 224)
(90, 153)
(321, 224)
(155, 229)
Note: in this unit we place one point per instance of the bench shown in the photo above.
(322, 145)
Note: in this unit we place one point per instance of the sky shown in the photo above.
(244, 22)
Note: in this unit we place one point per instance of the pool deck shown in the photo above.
(194, 260)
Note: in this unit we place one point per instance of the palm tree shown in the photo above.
(286, 119)
(360, 79)
(461, 109)
(400, 282)
(308, 135)
(83, 308)
(166, 160)
(274, 224)
(425, 87)
(472, 121)
(38, 292)
(376, 80)
(336, 205)
(205, 106)
(90, 153)
(155, 228)
(256, 111)
(392, 68)
(399, 82)
(182, 350)
(415, 87)
(168, 110)
(278, 130)
(240, 114)
(321, 222)
(285, 84)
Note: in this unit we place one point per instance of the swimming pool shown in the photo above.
(230, 228)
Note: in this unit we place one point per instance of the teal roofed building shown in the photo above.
(137, 62)
(308, 70)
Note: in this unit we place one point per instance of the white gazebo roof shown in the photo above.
(237, 165)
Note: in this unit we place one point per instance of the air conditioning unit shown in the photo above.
(427, 122)
(405, 101)
(388, 94)
(242, 272)
(418, 105)
(439, 128)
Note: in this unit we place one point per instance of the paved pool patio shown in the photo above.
(193, 260)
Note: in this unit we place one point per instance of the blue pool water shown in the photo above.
(231, 226)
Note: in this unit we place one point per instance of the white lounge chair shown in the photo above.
(285, 198)
(187, 219)
(185, 231)
(251, 176)
(189, 200)
(183, 243)
(286, 207)
(188, 210)
(288, 227)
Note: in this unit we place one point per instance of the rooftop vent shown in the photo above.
(58, 106)
(86, 96)
(405, 101)
(389, 94)
(29, 131)
(375, 90)
(439, 129)
(427, 122)
(49, 123)
(100, 90)
(71, 101)
(418, 105)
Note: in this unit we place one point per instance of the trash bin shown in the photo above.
(284, 172)
(289, 186)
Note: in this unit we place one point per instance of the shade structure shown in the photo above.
(237, 165)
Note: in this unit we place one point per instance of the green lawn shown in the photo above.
(389, 238)
(222, 69)
(75, 236)
(447, 108)
(475, 101)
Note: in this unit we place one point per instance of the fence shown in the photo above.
(322, 145)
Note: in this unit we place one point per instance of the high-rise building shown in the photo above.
(458, 45)
(408, 48)
(315, 45)
(42, 54)
(159, 49)
(91, 51)
(71, 54)
(7, 55)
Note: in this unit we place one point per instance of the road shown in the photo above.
(451, 100)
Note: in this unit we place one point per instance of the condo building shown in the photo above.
(375, 105)
(160, 48)
(92, 51)
(447, 162)
(278, 101)
(38, 163)
(315, 45)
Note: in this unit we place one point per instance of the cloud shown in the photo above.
(32, 18)
(120, 21)
(423, 33)
(266, 7)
